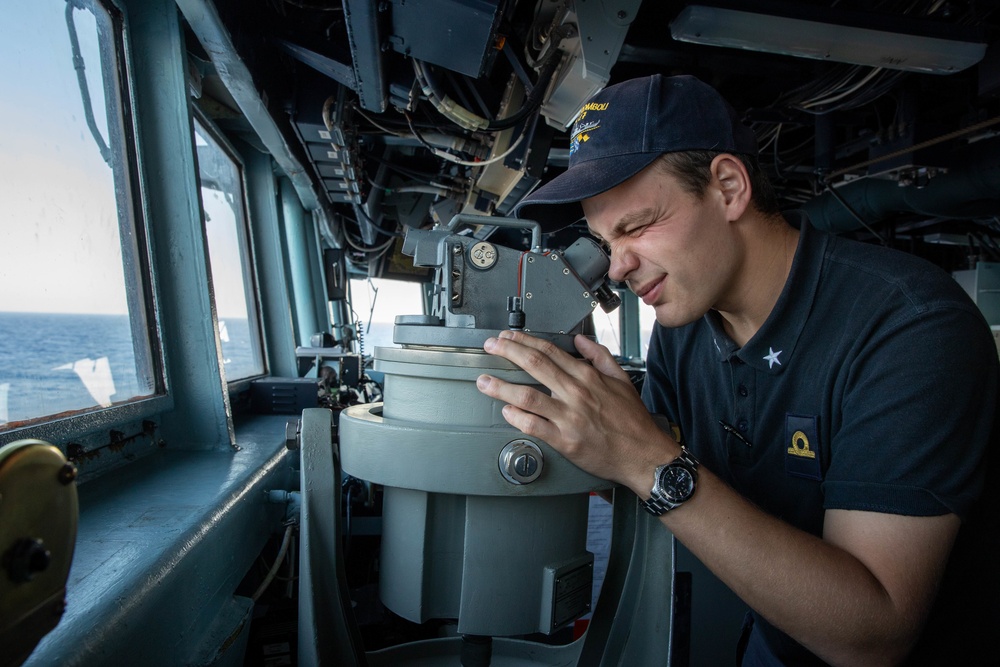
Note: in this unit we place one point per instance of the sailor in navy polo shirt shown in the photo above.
(836, 400)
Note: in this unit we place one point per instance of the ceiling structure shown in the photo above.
(880, 117)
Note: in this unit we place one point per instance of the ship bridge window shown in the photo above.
(74, 323)
(220, 175)
(608, 327)
(376, 302)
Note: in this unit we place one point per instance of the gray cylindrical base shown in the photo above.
(501, 566)
(460, 539)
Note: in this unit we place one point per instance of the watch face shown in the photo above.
(676, 483)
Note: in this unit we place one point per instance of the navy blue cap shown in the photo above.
(623, 129)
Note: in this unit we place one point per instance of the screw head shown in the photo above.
(525, 465)
(521, 461)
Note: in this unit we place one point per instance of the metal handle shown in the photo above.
(536, 229)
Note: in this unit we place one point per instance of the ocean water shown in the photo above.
(53, 363)
(240, 357)
(56, 363)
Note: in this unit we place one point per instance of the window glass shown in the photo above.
(224, 213)
(376, 303)
(73, 327)
(608, 329)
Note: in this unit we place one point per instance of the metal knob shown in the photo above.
(521, 461)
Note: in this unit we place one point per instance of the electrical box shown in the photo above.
(283, 396)
(456, 34)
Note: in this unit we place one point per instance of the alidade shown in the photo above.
(481, 522)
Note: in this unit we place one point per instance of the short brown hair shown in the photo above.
(693, 170)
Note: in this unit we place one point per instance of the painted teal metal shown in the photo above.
(151, 582)
(271, 261)
(299, 252)
(201, 416)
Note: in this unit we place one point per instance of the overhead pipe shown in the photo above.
(967, 191)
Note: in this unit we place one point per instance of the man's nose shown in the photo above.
(622, 264)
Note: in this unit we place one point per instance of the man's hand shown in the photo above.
(870, 580)
(594, 417)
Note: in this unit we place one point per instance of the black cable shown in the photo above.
(405, 171)
(535, 97)
(532, 103)
(419, 136)
(360, 212)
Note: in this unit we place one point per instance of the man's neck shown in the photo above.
(770, 250)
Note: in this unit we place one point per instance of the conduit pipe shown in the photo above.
(969, 190)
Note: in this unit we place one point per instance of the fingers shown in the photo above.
(543, 360)
(599, 357)
(527, 351)
(525, 407)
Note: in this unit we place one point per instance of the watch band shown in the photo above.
(658, 505)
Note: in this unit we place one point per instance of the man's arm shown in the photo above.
(859, 595)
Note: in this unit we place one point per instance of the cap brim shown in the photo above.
(556, 204)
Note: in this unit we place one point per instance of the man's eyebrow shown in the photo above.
(625, 222)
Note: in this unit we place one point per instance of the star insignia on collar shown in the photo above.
(772, 358)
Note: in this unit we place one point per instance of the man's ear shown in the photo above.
(733, 181)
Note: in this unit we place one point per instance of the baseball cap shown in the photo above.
(622, 129)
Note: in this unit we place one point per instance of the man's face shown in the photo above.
(678, 253)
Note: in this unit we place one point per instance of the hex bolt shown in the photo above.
(292, 434)
(521, 461)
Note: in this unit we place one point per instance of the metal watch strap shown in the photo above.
(660, 506)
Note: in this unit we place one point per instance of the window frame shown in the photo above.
(248, 255)
(137, 262)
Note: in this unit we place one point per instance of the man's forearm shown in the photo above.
(817, 592)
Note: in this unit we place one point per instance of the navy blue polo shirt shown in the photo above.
(871, 386)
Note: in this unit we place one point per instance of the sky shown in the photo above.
(60, 247)
(59, 243)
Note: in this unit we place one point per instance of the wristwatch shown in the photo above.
(673, 484)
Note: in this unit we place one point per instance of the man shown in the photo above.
(835, 399)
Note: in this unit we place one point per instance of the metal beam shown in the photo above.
(207, 25)
(366, 51)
